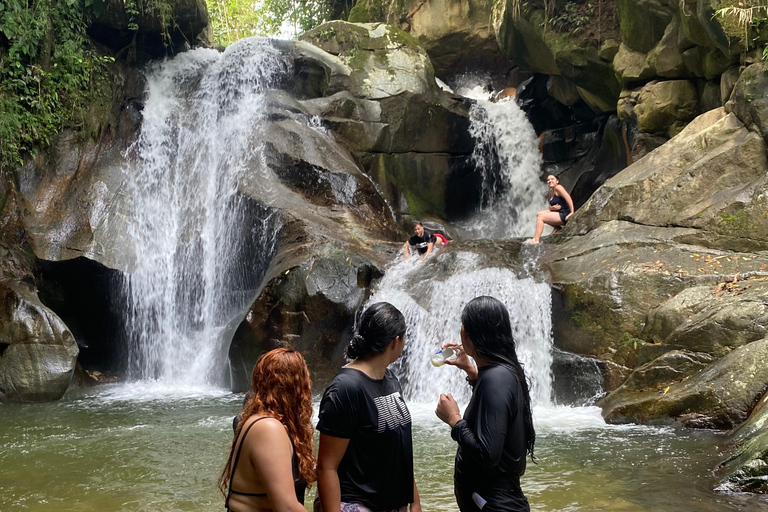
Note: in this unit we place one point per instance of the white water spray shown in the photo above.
(507, 154)
(200, 245)
(433, 314)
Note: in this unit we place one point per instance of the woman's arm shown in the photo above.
(271, 452)
(416, 505)
(330, 453)
(565, 195)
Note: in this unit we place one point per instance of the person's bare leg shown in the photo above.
(545, 217)
(539, 227)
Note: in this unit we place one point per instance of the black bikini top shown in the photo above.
(299, 484)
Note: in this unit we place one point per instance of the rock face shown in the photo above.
(666, 280)
(749, 101)
(411, 137)
(720, 396)
(37, 351)
(746, 469)
(457, 35)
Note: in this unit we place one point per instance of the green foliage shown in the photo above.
(749, 16)
(571, 17)
(235, 19)
(48, 72)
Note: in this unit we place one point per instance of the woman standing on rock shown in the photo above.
(560, 209)
(496, 432)
(365, 461)
(271, 461)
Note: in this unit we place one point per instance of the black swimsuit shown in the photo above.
(300, 485)
(564, 210)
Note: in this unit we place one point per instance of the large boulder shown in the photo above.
(720, 396)
(383, 60)
(667, 277)
(746, 467)
(72, 195)
(660, 107)
(457, 35)
(607, 281)
(411, 137)
(710, 177)
(525, 40)
(643, 22)
(37, 351)
(749, 101)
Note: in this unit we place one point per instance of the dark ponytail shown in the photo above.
(486, 322)
(377, 327)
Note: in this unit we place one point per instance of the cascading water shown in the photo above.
(507, 155)
(201, 246)
(433, 314)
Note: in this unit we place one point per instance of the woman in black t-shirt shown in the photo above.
(365, 460)
(496, 432)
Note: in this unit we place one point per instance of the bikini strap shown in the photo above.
(237, 458)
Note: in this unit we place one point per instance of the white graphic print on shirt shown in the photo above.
(392, 412)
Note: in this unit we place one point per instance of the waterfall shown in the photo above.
(432, 309)
(201, 247)
(507, 155)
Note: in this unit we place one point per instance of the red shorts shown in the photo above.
(441, 237)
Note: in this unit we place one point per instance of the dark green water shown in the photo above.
(109, 451)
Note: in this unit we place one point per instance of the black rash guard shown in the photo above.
(492, 447)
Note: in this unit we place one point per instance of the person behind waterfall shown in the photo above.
(365, 460)
(560, 209)
(423, 240)
(496, 432)
(271, 460)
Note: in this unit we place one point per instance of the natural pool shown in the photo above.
(131, 449)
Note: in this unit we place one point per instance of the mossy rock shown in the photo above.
(749, 99)
(746, 468)
(642, 22)
(419, 184)
(384, 60)
(524, 41)
(720, 396)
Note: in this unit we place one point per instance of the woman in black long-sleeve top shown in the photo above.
(496, 432)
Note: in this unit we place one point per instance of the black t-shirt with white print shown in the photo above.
(377, 468)
(420, 242)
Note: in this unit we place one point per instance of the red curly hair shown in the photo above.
(280, 388)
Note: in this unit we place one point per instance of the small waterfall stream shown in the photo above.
(507, 155)
(433, 315)
(201, 246)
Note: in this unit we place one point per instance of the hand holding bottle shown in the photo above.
(461, 361)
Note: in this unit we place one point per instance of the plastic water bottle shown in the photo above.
(439, 357)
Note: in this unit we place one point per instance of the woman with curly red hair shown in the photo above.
(271, 462)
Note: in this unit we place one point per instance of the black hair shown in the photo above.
(486, 322)
(377, 327)
(417, 223)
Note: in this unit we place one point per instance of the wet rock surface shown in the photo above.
(37, 351)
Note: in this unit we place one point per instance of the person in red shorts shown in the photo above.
(423, 241)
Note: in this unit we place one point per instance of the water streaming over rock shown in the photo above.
(201, 245)
(507, 154)
(433, 314)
